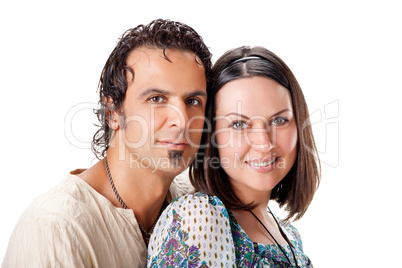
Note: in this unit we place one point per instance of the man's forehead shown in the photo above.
(146, 55)
(142, 53)
(179, 74)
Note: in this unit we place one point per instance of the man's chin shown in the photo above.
(172, 170)
(173, 161)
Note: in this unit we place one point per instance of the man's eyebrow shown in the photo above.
(150, 91)
(197, 93)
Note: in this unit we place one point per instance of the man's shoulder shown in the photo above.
(47, 221)
(180, 186)
(60, 202)
(72, 219)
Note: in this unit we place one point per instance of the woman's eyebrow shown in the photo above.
(248, 118)
(281, 111)
(241, 115)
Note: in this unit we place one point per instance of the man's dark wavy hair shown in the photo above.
(160, 34)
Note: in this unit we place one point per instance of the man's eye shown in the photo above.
(156, 99)
(238, 125)
(193, 102)
(278, 121)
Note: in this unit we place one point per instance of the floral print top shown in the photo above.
(197, 230)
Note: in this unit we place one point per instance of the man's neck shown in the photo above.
(142, 190)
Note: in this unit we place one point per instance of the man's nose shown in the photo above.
(177, 115)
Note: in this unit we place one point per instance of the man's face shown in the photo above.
(162, 117)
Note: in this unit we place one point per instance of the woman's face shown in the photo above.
(256, 134)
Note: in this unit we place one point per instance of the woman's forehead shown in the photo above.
(254, 96)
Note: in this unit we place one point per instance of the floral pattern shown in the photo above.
(198, 231)
(252, 254)
(176, 251)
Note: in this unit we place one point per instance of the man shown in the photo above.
(152, 104)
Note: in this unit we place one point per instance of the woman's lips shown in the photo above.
(263, 165)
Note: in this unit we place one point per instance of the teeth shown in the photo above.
(264, 164)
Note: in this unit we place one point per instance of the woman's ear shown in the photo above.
(112, 118)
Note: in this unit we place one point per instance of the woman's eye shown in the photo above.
(278, 121)
(239, 125)
(193, 102)
(156, 99)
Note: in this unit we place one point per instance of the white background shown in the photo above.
(345, 54)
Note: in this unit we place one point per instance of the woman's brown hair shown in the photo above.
(296, 190)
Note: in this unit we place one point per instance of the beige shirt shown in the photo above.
(74, 226)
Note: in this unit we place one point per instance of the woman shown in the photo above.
(258, 147)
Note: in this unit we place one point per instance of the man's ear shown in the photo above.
(112, 118)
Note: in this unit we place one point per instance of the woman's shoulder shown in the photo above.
(197, 197)
(188, 230)
(191, 213)
(199, 202)
(292, 233)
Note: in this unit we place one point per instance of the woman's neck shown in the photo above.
(254, 225)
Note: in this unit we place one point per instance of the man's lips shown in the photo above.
(173, 144)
